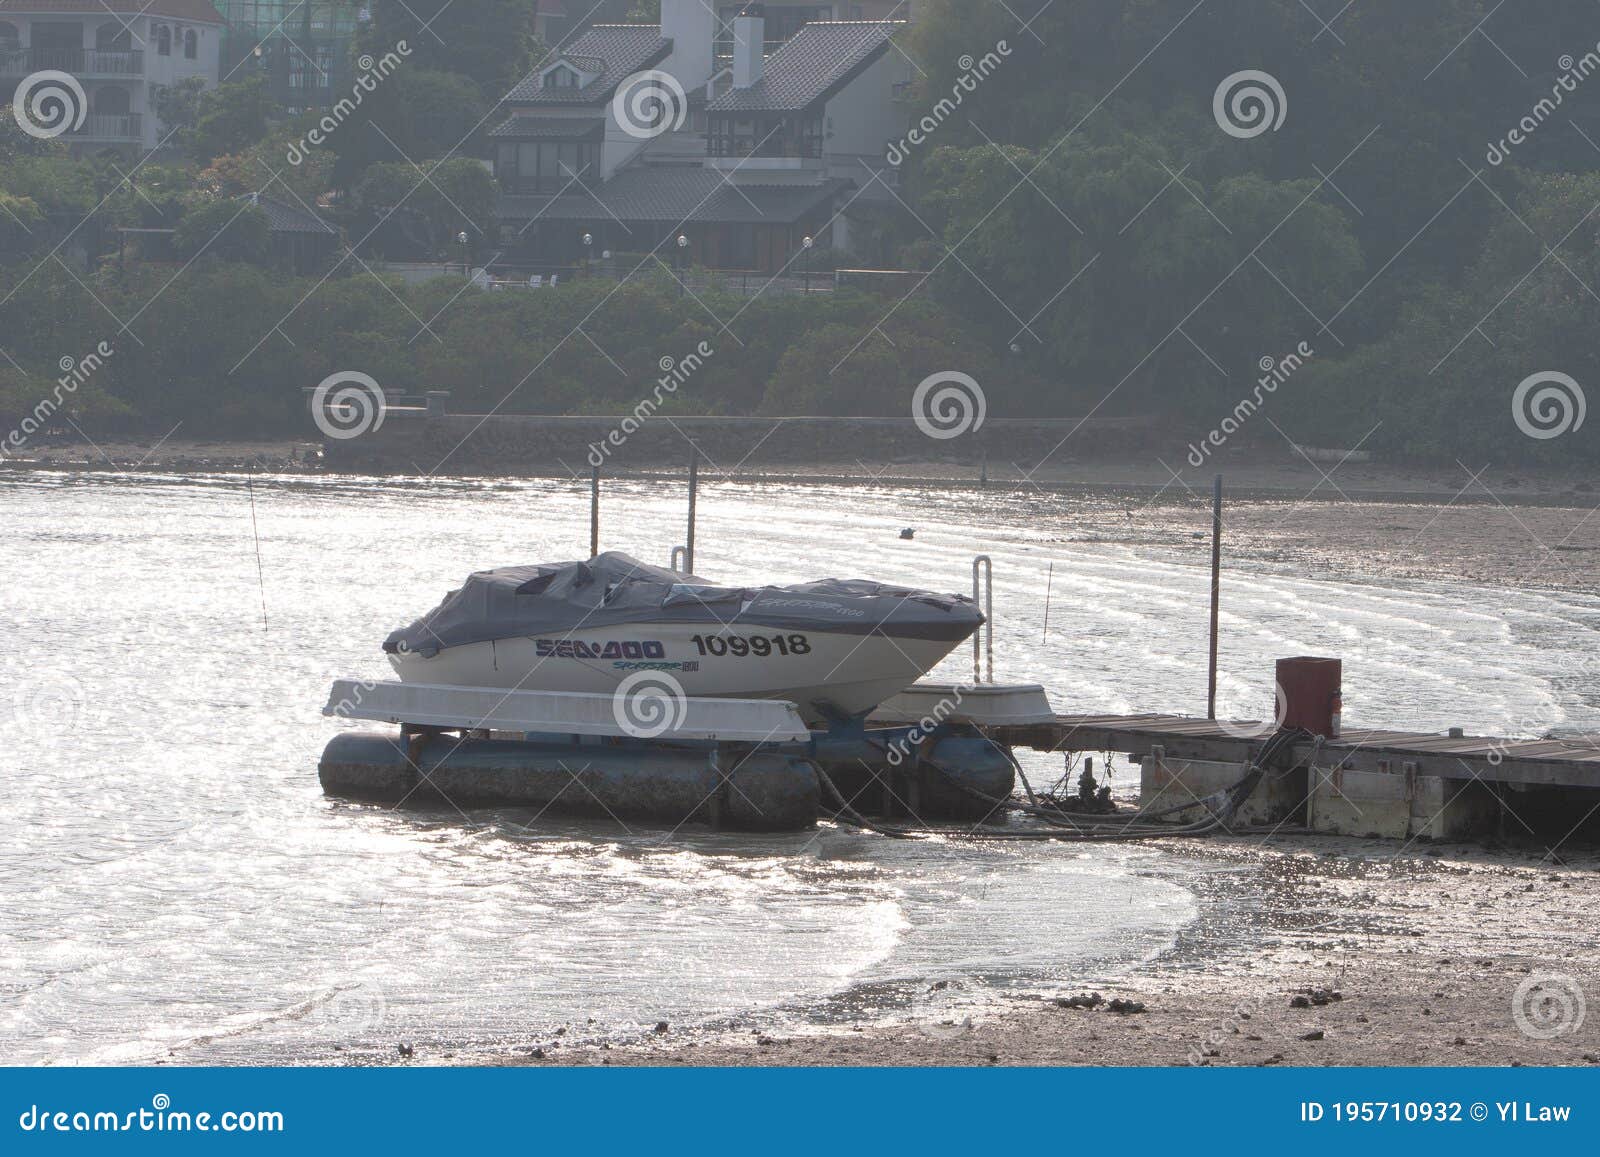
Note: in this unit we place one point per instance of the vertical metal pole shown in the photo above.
(694, 491)
(1049, 583)
(594, 513)
(1216, 593)
(983, 595)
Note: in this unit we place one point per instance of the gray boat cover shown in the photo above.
(557, 598)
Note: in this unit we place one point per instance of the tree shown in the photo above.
(227, 230)
(231, 117)
(1109, 271)
(178, 108)
(416, 114)
(15, 143)
(490, 42)
(278, 165)
(444, 197)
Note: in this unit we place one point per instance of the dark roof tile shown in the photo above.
(284, 218)
(675, 196)
(200, 11)
(819, 60)
(620, 50)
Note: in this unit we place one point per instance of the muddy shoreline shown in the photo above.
(1353, 952)
(1279, 473)
(1507, 528)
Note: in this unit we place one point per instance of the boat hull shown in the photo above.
(823, 673)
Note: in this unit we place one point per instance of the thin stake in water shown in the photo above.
(1049, 582)
(255, 530)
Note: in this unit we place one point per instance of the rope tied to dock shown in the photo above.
(1221, 807)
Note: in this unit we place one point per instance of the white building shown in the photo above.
(119, 51)
(767, 150)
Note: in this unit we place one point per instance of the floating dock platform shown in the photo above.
(741, 765)
(1363, 782)
(937, 753)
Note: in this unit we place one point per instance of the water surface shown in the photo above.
(178, 888)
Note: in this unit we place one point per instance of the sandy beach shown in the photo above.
(1360, 952)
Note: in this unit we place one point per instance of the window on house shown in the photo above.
(757, 136)
(542, 167)
(191, 44)
(163, 41)
(561, 78)
(113, 100)
(10, 39)
(112, 38)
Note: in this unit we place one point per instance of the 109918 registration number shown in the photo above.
(761, 646)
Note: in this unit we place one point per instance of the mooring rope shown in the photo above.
(1221, 806)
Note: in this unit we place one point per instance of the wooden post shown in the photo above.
(594, 513)
(1216, 593)
(694, 490)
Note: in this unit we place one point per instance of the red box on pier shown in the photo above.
(1311, 691)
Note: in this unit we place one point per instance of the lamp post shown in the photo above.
(588, 250)
(807, 244)
(466, 255)
(683, 254)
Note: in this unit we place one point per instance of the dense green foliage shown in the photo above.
(1100, 244)
(224, 231)
(205, 353)
(1359, 227)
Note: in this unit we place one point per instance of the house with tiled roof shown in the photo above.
(636, 137)
(120, 52)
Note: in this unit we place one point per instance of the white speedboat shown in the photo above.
(835, 648)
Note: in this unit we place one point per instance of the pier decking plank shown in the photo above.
(1573, 762)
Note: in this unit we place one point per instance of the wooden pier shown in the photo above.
(1401, 785)
(1528, 762)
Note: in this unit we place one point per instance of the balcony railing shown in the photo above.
(102, 126)
(80, 62)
